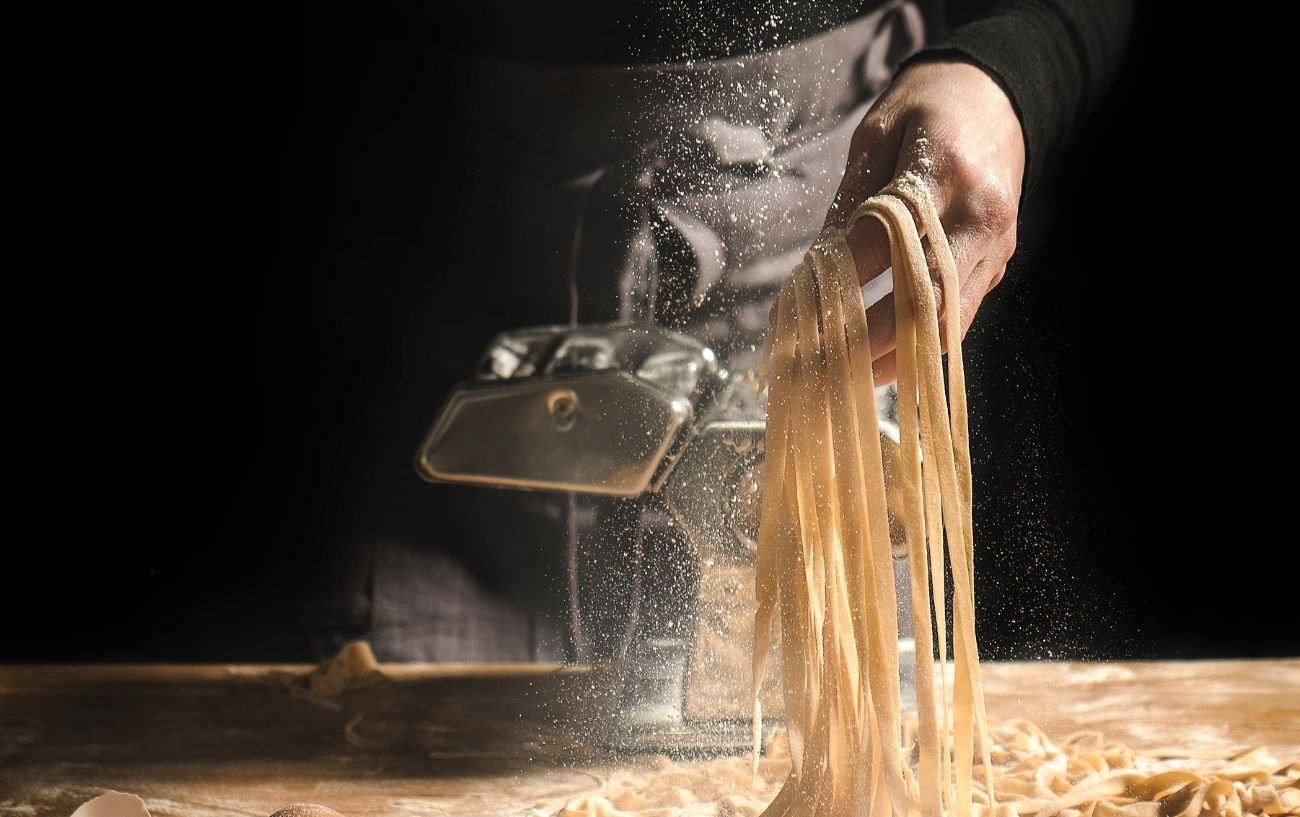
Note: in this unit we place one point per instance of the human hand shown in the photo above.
(951, 125)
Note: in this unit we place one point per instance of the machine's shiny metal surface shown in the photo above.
(603, 433)
(596, 409)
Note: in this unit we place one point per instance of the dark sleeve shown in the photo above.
(1053, 57)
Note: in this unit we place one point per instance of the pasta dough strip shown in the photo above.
(919, 198)
(842, 694)
(937, 442)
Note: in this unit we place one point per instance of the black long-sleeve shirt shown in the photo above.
(1053, 57)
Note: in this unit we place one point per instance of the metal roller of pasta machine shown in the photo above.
(665, 449)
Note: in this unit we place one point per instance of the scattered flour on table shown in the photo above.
(1082, 776)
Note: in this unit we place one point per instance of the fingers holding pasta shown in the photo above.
(946, 130)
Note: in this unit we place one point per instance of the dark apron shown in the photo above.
(677, 194)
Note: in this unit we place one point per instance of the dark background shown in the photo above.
(236, 227)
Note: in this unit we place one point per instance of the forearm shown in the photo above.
(1054, 58)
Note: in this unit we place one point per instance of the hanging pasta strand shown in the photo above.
(837, 592)
(937, 441)
(917, 195)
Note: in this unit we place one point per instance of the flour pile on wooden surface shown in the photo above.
(1081, 776)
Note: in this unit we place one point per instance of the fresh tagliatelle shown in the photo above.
(825, 574)
(825, 564)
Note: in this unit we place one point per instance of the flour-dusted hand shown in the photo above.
(950, 125)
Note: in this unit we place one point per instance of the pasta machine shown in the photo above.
(660, 449)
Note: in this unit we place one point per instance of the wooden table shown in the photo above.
(220, 741)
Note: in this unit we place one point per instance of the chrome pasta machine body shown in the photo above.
(660, 450)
